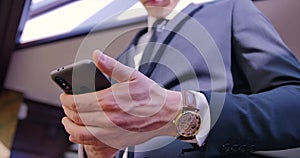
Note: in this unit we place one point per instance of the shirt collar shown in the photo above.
(180, 6)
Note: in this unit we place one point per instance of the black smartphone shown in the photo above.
(80, 77)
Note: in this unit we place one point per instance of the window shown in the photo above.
(50, 20)
(38, 7)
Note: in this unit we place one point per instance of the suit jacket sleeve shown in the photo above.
(267, 117)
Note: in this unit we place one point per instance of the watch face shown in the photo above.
(188, 124)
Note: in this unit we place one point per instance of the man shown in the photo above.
(228, 98)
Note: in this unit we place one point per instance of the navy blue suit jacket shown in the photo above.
(230, 52)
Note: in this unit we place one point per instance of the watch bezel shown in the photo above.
(181, 125)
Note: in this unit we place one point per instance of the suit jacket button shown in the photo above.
(234, 148)
(242, 148)
(225, 148)
(251, 148)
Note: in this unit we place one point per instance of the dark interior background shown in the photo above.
(41, 134)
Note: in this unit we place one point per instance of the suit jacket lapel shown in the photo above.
(180, 16)
(165, 35)
(175, 21)
(127, 57)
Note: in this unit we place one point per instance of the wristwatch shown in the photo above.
(188, 120)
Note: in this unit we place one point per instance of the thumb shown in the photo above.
(112, 67)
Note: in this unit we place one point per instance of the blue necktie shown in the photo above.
(149, 50)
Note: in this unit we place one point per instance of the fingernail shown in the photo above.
(102, 57)
(62, 121)
(97, 53)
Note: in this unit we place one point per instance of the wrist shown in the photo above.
(174, 106)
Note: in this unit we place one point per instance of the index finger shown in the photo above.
(86, 102)
(68, 101)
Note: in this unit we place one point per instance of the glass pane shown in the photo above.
(82, 14)
(61, 20)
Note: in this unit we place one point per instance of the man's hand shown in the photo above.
(130, 112)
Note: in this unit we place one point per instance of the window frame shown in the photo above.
(81, 31)
(46, 6)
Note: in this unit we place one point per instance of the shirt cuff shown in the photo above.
(202, 105)
(81, 152)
